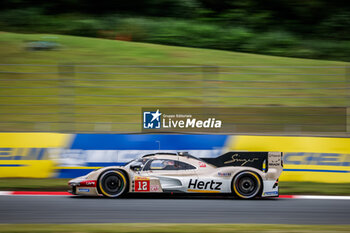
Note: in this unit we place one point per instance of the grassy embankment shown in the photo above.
(120, 86)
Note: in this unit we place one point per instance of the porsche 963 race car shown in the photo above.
(244, 174)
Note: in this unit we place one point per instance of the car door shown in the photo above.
(166, 170)
(187, 174)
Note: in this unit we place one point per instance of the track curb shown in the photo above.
(33, 193)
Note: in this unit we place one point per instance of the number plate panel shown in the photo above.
(142, 184)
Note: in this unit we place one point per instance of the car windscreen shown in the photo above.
(143, 161)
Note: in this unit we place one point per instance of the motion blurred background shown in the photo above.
(73, 72)
(76, 74)
(72, 66)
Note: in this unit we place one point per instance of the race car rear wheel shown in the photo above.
(246, 184)
(112, 183)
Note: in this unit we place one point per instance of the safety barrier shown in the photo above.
(29, 154)
(314, 159)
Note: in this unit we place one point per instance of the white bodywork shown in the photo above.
(202, 178)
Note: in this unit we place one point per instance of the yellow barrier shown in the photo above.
(26, 154)
(27, 168)
(315, 173)
(310, 159)
(291, 144)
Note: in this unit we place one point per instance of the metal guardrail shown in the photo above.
(49, 97)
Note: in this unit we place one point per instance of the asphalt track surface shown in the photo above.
(72, 209)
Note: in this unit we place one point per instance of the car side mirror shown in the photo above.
(136, 167)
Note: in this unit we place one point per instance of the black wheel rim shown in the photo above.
(112, 184)
(247, 185)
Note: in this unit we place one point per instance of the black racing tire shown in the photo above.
(246, 184)
(113, 183)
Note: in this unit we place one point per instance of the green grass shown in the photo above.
(314, 188)
(210, 89)
(33, 184)
(165, 227)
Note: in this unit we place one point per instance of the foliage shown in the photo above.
(182, 32)
(336, 26)
(309, 29)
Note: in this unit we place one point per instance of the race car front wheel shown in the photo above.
(246, 184)
(112, 183)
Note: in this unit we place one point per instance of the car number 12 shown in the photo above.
(142, 185)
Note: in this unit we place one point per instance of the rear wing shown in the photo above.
(259, 160)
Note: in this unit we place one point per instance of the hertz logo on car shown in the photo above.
(212, 185)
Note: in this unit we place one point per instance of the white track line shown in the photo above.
(5, 193)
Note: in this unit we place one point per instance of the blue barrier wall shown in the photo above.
(91, 151)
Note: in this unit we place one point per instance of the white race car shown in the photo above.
(244, 174)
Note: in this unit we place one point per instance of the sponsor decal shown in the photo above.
(141, 178)
(84, 190)
(236, 158)
(224, 174)
(88, 183)
(142, 185)
(155, 188)
(201, 164)
(273, 193)
(276, 161)
(211, 185)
